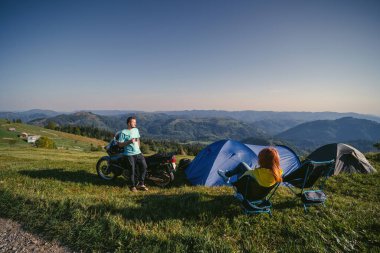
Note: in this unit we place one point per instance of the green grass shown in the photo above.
(57, 194)
(62, 140)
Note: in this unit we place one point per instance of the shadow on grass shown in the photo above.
(288, 204)
(49, 218)
(79, 176)
(187, 206)
(84, 177)
(155, 207)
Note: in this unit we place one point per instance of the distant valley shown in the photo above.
(304, 131)
(163, 126)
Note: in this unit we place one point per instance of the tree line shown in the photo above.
(165, 146)
(88, 131)
(13, 121)
(147, 145)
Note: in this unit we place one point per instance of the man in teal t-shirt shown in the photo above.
(130, 140)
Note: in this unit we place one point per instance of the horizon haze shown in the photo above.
(121, 111)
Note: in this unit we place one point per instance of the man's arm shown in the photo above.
(125, 143)
(122, 142)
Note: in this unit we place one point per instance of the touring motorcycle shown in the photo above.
(160, 171)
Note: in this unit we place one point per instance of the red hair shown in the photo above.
(270, 159)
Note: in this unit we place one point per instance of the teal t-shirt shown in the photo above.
(126, 135)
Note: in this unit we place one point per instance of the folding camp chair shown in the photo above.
(254, 198)
(306, 177)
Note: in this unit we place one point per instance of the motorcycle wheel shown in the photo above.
(104, 170)
(164, 179)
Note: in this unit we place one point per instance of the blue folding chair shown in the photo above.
(254, 198)
(306, 178)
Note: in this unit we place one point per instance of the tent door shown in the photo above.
(351, 164)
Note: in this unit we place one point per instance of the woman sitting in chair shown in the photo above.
(255, 184)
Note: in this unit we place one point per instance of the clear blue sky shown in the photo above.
(174, 55)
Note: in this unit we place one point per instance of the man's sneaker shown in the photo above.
(133, 189)
(223, 175)
(142, 187)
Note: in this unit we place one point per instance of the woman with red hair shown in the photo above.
(267, 174)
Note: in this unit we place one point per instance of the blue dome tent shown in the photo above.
(226, 155)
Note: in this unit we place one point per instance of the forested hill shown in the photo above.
(270, 122)
(163, 126)
(78, 119)
(359, 132)
(29, 115)
(254, 116)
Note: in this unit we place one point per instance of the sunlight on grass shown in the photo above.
(57, 194)
(62, 140)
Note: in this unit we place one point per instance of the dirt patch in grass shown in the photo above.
(14, 239)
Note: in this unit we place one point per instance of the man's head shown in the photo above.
(131, 122)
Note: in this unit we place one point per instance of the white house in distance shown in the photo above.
(33, 138)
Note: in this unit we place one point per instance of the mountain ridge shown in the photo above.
(162, 126)
(310, 135)
(303, 135)
(244, 115)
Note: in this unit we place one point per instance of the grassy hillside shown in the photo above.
(62, 140)
(56, 194)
